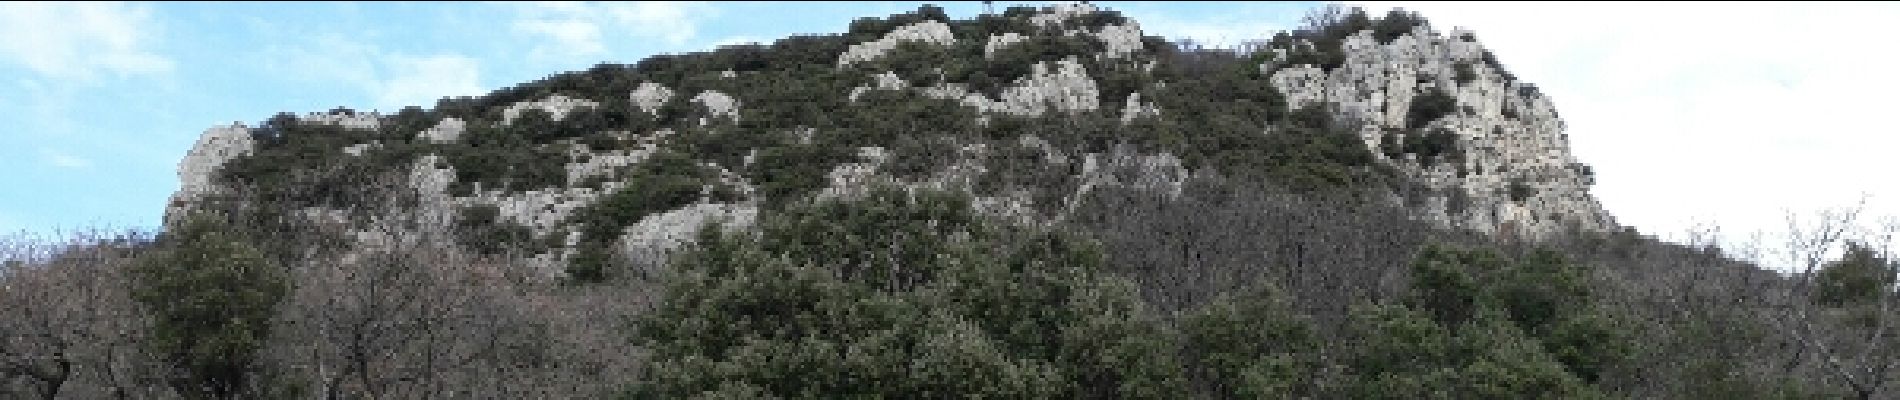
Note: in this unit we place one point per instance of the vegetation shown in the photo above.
(1279, 270)
(211, 297)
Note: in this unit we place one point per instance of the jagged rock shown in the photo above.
(602, 163)
(216, 146)
(1121, 40)
(650, 96)
(1135, 108)
(364, 121)
(1377, 85)
(648, 241)
(447, 131)
(557, 106)
(885, 81)
(717, 105)
(1065, 87)
(928, 32)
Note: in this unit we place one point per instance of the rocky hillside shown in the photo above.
(1040, 204)
(1030, 111)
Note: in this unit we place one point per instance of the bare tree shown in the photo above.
(68, 328)
(1855, 343)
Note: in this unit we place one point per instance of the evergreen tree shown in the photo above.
(211, 297)
(1859, 277)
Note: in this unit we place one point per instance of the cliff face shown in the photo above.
(1516, 174)
(1490, 151)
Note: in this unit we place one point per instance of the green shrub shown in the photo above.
(211, 296)
(899, 295)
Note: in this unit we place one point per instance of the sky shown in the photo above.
(1692, 115)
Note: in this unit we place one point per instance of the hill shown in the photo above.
(1038, 203)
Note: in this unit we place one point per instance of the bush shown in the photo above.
(899, 295)
(1428, 107)
(212, 297)
(1861, 276)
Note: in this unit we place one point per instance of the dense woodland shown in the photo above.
(1276, 273)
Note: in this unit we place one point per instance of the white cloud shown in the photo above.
(391, 80)
(564, 38)
(420, 81)
(79, 40)
(570, 30)
(1241, 23)
(1731, 114)
(63, 160)
(737, 40)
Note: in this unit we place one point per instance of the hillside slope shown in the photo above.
(1029, 110)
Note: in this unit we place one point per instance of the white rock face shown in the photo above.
(556, 106)
(885, 81)
(364, 121)
(1135, 108)
(650, 96)
(1121, 40)
(649, 241)
(603, 164)
(1510, 135)
(1063, 87)
(932, 32)
(717, 105)
(447, 131)
(216, 146)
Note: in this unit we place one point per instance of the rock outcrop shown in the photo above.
(1517, 175)
(932, 32)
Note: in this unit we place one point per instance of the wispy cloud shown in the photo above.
(391, 80)
(419, 81)
(63, 160)
(737, 40)
(80, 40)
(583, 29)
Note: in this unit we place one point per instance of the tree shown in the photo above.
(211, 297)
(1843, 311)
(1251, 345)
(1861, 276)
(900, 295)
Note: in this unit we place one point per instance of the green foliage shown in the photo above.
(899, 295)
(1463, 73)
(1251, 346)
(507, 158)
(786, 172)
(1395, 24)
(1541, 295)
(1402, 353)
(212, 297)
(1428, 107)
(1861, 276)
(1519, 191)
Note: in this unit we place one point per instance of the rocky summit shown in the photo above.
(1029, 111)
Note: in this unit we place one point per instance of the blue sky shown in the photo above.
(1690, 114)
